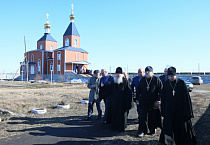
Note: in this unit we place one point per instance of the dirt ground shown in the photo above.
(21, 98)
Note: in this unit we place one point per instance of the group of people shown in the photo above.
(161, 102)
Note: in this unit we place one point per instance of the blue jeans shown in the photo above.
(107, 102)
(98, 106)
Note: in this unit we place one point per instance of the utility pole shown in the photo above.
(26, 62)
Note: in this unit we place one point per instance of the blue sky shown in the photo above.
(133, 33)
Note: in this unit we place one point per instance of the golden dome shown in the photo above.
(71, 17)
(47, 25)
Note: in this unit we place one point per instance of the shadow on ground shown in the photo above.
(75, 131)
(202, 128)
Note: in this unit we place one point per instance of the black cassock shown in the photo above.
(177, 112)
(121, 100)
(149, 117)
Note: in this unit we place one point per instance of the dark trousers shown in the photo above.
(147, 120)
(107, 102)
(98, 106)
(137, 105)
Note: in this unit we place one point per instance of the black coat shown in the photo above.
(121, 100)
(177, 112)
(148, 98)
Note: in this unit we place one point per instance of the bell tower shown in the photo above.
(71, 36)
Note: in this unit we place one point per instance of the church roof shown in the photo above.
(47, 37)
(72, 49)
(71, 30)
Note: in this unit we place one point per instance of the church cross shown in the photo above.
(72, 6)
(47, 16)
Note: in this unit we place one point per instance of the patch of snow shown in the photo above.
(63, 106)
(84, 101)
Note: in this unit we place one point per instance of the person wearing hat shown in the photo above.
(148, 98)
(93, 85)
(176, 108)
(121, 98)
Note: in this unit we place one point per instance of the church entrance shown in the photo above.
(32, 69)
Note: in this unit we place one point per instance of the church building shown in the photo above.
(47, 57)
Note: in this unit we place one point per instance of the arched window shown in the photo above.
(67, 42)
(40, 47)
(39, 65)
(51, 47)
(75, 42)
(58, 56)
(32, 58)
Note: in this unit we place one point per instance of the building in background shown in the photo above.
(47, 57)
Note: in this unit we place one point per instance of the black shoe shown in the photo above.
(88, 118)
(98, 118)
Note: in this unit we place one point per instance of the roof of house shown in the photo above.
(47, 37)
(72, 49)
(71, 30)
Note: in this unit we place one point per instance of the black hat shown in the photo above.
(172, 71)
(96, 71)
(149, 68)
(119, 70)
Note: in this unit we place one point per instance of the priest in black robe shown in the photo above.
(176, 108)
(148, 98)
(121, 99)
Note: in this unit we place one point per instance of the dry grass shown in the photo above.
(24, 98)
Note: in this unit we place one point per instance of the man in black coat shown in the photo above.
(148, 98)
(121, 100)
(176, 108)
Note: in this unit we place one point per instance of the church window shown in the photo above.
(39, 66)
(51, 47)
(67, 42)
(40, 47)
(59, 56)
(32, 58)
(75, 42)
(59, 67)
